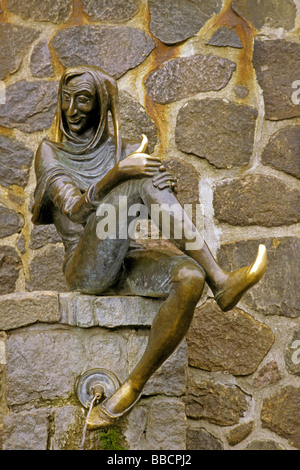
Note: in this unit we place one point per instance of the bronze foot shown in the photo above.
(238, 282)
(100, 418)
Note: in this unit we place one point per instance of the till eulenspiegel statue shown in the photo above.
(86, 167)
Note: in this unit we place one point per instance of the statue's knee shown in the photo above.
(191, 279)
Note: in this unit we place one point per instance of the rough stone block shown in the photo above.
(103, 46)
(275, 294)
(21, 309)
(256, 200)
(238, 434)
(283, 151)
(200, 439)
(114, 10)
(10, 264)
(281, 414)
(272, 13)
(225, 37)
(27, 430)
(217, 403)
(109, 312)
(40, 61)
(226, 141)
(10, 222)
(15, 43)
(44, 362)
(135, 121)
(46, 270)
(186, 76)
(54, 11)
(15, 162)
(277, 65)
(30, 106)
(232, 341)
(156, 424)
(173, 21)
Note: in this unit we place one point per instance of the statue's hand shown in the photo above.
(165, 179)
(138, 163)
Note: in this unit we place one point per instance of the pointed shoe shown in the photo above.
(238, 282)
(100, 418)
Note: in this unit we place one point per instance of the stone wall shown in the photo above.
(214, 85)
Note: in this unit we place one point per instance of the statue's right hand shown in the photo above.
(139, 164)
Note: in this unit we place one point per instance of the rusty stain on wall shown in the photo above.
(245, 74)
(157, 112)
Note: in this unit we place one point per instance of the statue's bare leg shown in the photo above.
(185, 284)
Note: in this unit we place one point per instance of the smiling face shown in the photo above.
(79, 104)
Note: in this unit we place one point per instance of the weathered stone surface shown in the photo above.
(10, 222)
(220, 404)
(271, 13)
(30, 106)
(292, 354)
(226, 141)
(15, 42)
(155, 424)
(269, 374)
(109, 312)
(103, 46)
(114, 10)
(68, 422)
(27, 430)
(40, 61)
(10, 264)
(43, 234)
(256, 200)
(241, 91)
(281, 414)
(173, 21)
(22, 309)
(45, 271)
(54, 11)
(135, 121)
(166, 425)
(231, 341)
(238, 434)
(54, 356)
(15, 162)
(170, 378)
(283, 151)
(275, 293)
(21, 244)
(264, 445)
(200, 439)
(186, 76)
(224, 37)
(277, 65)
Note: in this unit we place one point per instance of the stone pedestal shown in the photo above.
(48, 340)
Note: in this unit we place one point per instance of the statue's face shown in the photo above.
(79, 103)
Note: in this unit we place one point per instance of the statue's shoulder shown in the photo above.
(45, 154)
(46, 145)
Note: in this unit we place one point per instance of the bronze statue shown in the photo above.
(86, 167)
